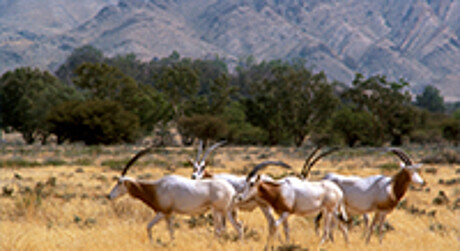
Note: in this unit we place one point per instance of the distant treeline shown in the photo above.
(106, 100)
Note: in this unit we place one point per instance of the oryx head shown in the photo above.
(409, 166)
(253, 180)
(120, 188)
(199, 164)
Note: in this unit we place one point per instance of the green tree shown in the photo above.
(150, 106)
(26, 96)
(240, 131)
(178, 82)
(310, 102)
(93, 122)
(392, 114)
(214, 101)
(84, 54)
(431, 100)
(204, 127)
(354, 127)
(451, 131)
(289, 102)
(103, 82)
(130, 66)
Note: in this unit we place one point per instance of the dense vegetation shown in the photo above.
(102, 100)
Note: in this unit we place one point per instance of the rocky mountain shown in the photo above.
(417, 40)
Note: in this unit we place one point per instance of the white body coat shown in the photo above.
(178, 195)
(295, 196)
(378, 193)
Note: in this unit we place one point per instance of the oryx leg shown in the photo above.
(215, 219)
(286, 230)
(235, 216)
(342, 226)
(331, 228)
(365, 220)
(169, 220)
(380, 226)
(238, 227)
(219, 221)
(268, 216)
(366, 224)
(327, 225)
(283, 220)
(273, 229)
(155, 220)
(317, 222)
(370, 229)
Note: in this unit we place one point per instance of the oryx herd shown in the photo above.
(336, 197)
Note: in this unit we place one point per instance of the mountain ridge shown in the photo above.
(417, 40)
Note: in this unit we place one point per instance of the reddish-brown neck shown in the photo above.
(146, 192)
(401, 182)
(271, 194)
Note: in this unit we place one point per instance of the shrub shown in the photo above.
(93, 122)
(442, 157)
(202, 126)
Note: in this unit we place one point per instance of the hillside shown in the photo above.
(415, 39)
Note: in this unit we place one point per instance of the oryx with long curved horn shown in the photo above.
(174, 194)
(293, 195)
(199, 164)
(237, 181)
(378, 193)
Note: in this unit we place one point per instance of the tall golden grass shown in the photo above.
(64, 207)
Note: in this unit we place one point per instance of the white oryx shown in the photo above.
(378, 193)
(293, 195)
(174, 194)
(237, 181)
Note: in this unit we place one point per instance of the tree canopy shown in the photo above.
(26, 95)
(268, 102)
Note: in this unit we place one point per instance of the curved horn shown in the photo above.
(402, 155)
(307, 160)
(264, 164)
(310, 165)
(212, 148)
(133, 159)
(200, 151)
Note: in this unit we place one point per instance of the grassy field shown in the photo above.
(53, 198)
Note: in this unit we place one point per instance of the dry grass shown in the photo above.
(63, 207)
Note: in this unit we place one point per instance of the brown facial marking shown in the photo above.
(144, 192)
(271, 193)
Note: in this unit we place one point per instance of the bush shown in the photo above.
(93, 122)
(443, 157)
(354, 127)
(202, 126)
(240, 131)
(426, 136)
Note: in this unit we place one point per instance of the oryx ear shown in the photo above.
(191, 161)
(402, 165)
